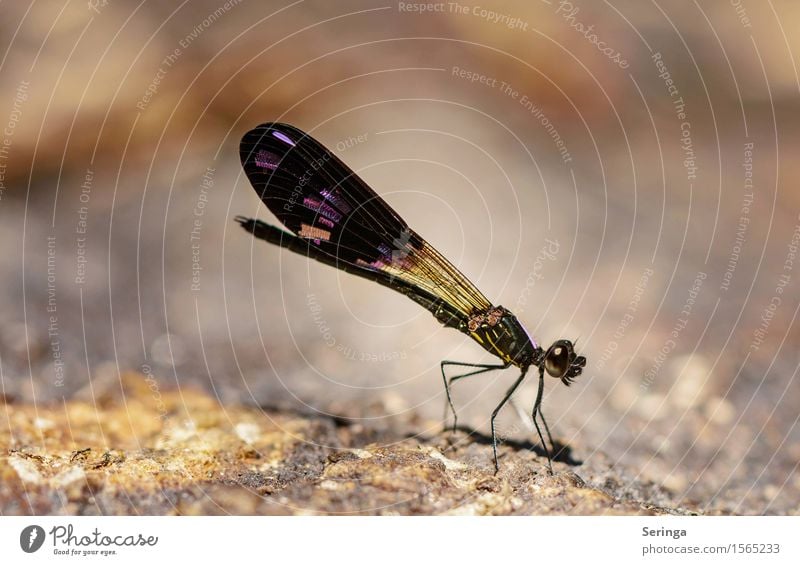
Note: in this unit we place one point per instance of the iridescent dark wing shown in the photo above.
(336, 218)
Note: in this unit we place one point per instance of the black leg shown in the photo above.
(547, 431)
(497, 410)
(482, 368)
(537, 410)
(524, 418)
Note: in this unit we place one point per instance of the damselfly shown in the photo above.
(335, 218)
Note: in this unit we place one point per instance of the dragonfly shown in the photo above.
(332, 216)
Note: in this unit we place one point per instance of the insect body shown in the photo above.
(335, 218)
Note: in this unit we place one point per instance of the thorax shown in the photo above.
(499, 332)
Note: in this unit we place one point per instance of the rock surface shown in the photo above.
(137, 450)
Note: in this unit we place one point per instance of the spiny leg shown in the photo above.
(482, 368)
(497, 410)
(537, 409)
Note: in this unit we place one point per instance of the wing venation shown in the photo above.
(321, 200)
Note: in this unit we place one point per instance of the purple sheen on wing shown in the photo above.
(267, 160)
(283, 137)
(333, 197)
(384, 250)
(376, 265)
(322, 208)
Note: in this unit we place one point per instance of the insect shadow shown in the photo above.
(561, 452)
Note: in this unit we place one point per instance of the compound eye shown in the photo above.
(557, 359)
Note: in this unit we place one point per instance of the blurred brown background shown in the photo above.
(640, 199)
